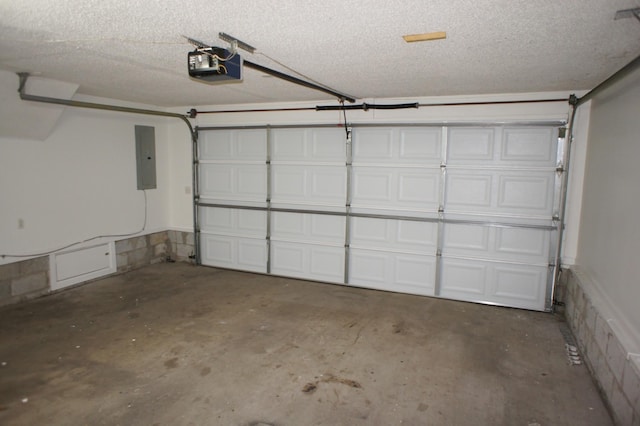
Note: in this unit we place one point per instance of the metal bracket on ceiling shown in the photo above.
(236, 43)
(628, 13)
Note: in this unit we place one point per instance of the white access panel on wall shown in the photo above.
(460, 212)
(78, 265)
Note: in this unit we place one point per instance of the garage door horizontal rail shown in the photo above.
(381, 216)
(429, 124)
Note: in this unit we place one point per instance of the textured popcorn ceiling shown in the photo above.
(133, 50)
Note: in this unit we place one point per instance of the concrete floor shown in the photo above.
(175, 344)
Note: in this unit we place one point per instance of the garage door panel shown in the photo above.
(326, 264)
(464, 279)
(396, 188)
(289, 183)
(328, 145)
(422, 235)
(418, 188)
(495, 193)
(368, 267)
(233, 182)
(226, 221)
(519, 285)
(530, 245)
(522, 147)
(219, 250)
(415, 274)
(422, 146)
(470, 146)
(216, 145)
(397, 146)
(469, 191)
(372, 186)
(370, 231)
(496, 243)
(289, 144)
(372, 145)
(307, 261)
(247, 254)
(394, 235)
(251, 145)
(463, 239)
(329, 228)
(308, 145)
(526, 193)
(217, 181)
(236, 145)
(308, 228)
(530, 146)
(400, 272)
(287, 258)
(309, 185)
(328, 183)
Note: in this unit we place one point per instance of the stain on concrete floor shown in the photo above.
(177, 344)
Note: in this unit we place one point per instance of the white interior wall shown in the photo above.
(181, 212)
(609, 233)
(25, 120)
(180, 185)
(79, 182)
(575, 185)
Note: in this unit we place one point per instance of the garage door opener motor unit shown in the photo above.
(215, 64)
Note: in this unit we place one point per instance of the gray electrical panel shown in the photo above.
(146, 157)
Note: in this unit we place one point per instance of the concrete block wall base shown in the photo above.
(615, 370)
(182, 245)
(137, 252)
(30, 278)
(149, 249)
(24, 280)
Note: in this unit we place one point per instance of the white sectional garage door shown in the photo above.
(462, 212)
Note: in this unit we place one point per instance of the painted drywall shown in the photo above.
(609, 240)
(79, 182)
(180, 157)
(577, 160)
(24, 120)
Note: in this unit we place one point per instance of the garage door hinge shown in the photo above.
(441, 209)
(560, 169)
(439, 253)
